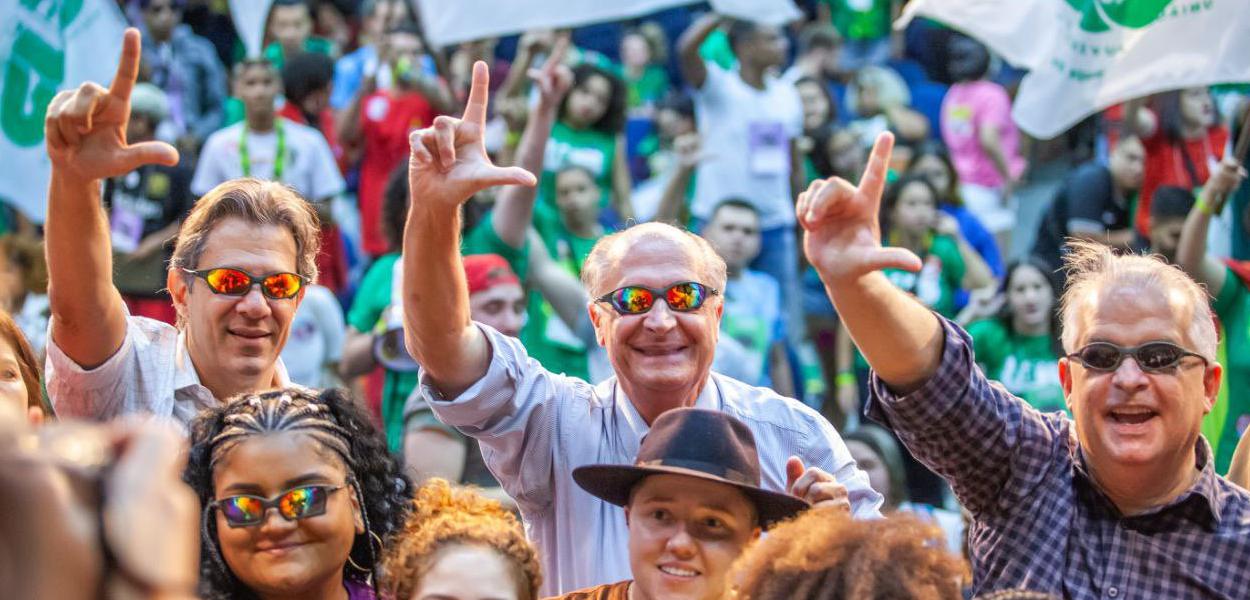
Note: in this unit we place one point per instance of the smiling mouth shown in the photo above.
(249, 335)
(667, 351)
(1131, 415)
(678, 571)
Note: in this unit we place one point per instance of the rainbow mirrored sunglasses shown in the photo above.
(297, 503)
(636, 299)
(229, 281)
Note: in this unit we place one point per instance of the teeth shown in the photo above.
(678, 572)
(1132, 411)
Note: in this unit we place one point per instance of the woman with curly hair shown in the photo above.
(824, 554)
(317, 460)
(458, 544)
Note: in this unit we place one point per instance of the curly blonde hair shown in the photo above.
(444, 515)
(826, 555)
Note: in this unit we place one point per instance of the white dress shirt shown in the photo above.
(151, 373)
(535, 427)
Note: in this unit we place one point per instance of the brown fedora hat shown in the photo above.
(695, 442)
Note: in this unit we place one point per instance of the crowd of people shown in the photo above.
(681, 307)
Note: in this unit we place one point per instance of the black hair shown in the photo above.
(824, 89)
(1052, 278)
(613, 119)
(395, 208)
(895, 189)
(938, 150)
(678, 102)
(178, 5)
(304, 3)
(880, 440)
(738, 32)
(968, 59)
(335, 420)
(306, 73)
(732, 202)
(1170, 201)
(408, 26)
(819, 36)
(1168, 107)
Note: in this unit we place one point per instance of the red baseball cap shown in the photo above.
(485, 271)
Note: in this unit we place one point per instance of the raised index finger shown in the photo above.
(475, 110)
(558, 52)
(873, 182)
(127, 66)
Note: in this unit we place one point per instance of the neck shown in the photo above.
(653, 403)
(1141, 490)
(162, 37)
(227, 385)
(911, 240)
(260, 123)
(331, 589)
(635, 70)
(753, 75)
(1023, 328)
(1192, 132)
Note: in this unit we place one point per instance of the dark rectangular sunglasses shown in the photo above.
(636, 299)
(1151, 356)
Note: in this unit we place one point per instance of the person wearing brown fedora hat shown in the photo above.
(655, 307)
(693, 503)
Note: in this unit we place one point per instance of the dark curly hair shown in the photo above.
(613, 119)
(824, 554)
(445, 515)
(333, 419)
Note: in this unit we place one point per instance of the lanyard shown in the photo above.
(279, 161)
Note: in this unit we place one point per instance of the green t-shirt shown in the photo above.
(1025, 364)
(861, 19)
(649, 88)
(314, 45)
(593, 150)
(547, 339)
(936, 283)
(374, 297)
(1231, 414)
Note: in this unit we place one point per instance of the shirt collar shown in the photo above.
(185, 376)
(709, 398)
(1205, 490)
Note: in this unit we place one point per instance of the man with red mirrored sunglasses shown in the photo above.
(656, 310)
(240, 261)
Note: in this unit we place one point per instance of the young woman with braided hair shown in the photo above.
(316, 459)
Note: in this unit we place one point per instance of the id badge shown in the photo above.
(126, 226)
(767, 147)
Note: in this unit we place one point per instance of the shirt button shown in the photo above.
(1112, 592)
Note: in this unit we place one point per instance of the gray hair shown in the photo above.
(608, 251)
(1093, 267)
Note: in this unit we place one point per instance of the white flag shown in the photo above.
(249, 18)
(1086, 55)
(46, 46)
(452, 21)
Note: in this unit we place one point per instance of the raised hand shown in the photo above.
(842, 223)
(555, 78)
(1222, 182)
(449, 163)
(815, 485)
(86, 127)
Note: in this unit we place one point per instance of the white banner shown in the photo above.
(249, 18)
(1086, 55)
(46, 46)
(453, 21)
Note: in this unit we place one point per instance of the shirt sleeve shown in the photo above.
(327, 182)
(991, 447)
(993, 107)
(207, 169)
(830, 452)
(373, 298)
(514, 411)
(1229, 295)
(105, 391)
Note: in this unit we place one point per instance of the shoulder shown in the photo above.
(768, 412)
(227, 135)
(302, 133)
(944, 246)
(610, 591)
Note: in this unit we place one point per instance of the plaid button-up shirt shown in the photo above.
(1039, 520)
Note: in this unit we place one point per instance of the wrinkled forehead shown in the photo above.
(654, 261)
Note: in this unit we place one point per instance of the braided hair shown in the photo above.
(332, 419)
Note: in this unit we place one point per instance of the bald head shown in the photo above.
(609, 255)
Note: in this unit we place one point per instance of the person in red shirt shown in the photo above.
(378, 122)
(1183, 139)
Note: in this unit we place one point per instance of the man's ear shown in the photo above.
(1065, 380)
(178, 290)
(599, 321)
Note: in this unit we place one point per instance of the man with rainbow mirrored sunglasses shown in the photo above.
(655, 306)
(240, 262)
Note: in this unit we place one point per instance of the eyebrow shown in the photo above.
(252, 488)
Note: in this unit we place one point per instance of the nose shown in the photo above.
(1129, 376)
(660, 318)
(274, 524)
(680, 544)
(253, 304)
(513, 321)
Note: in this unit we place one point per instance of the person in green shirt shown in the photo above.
(1015, 334)
(911, 220)
(643, 54)
(587, 134)
(865, 26)
(1230, 416)
(290, 26)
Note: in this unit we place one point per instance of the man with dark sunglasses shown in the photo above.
(237, 274)
(1121, 500)
(656, 310)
